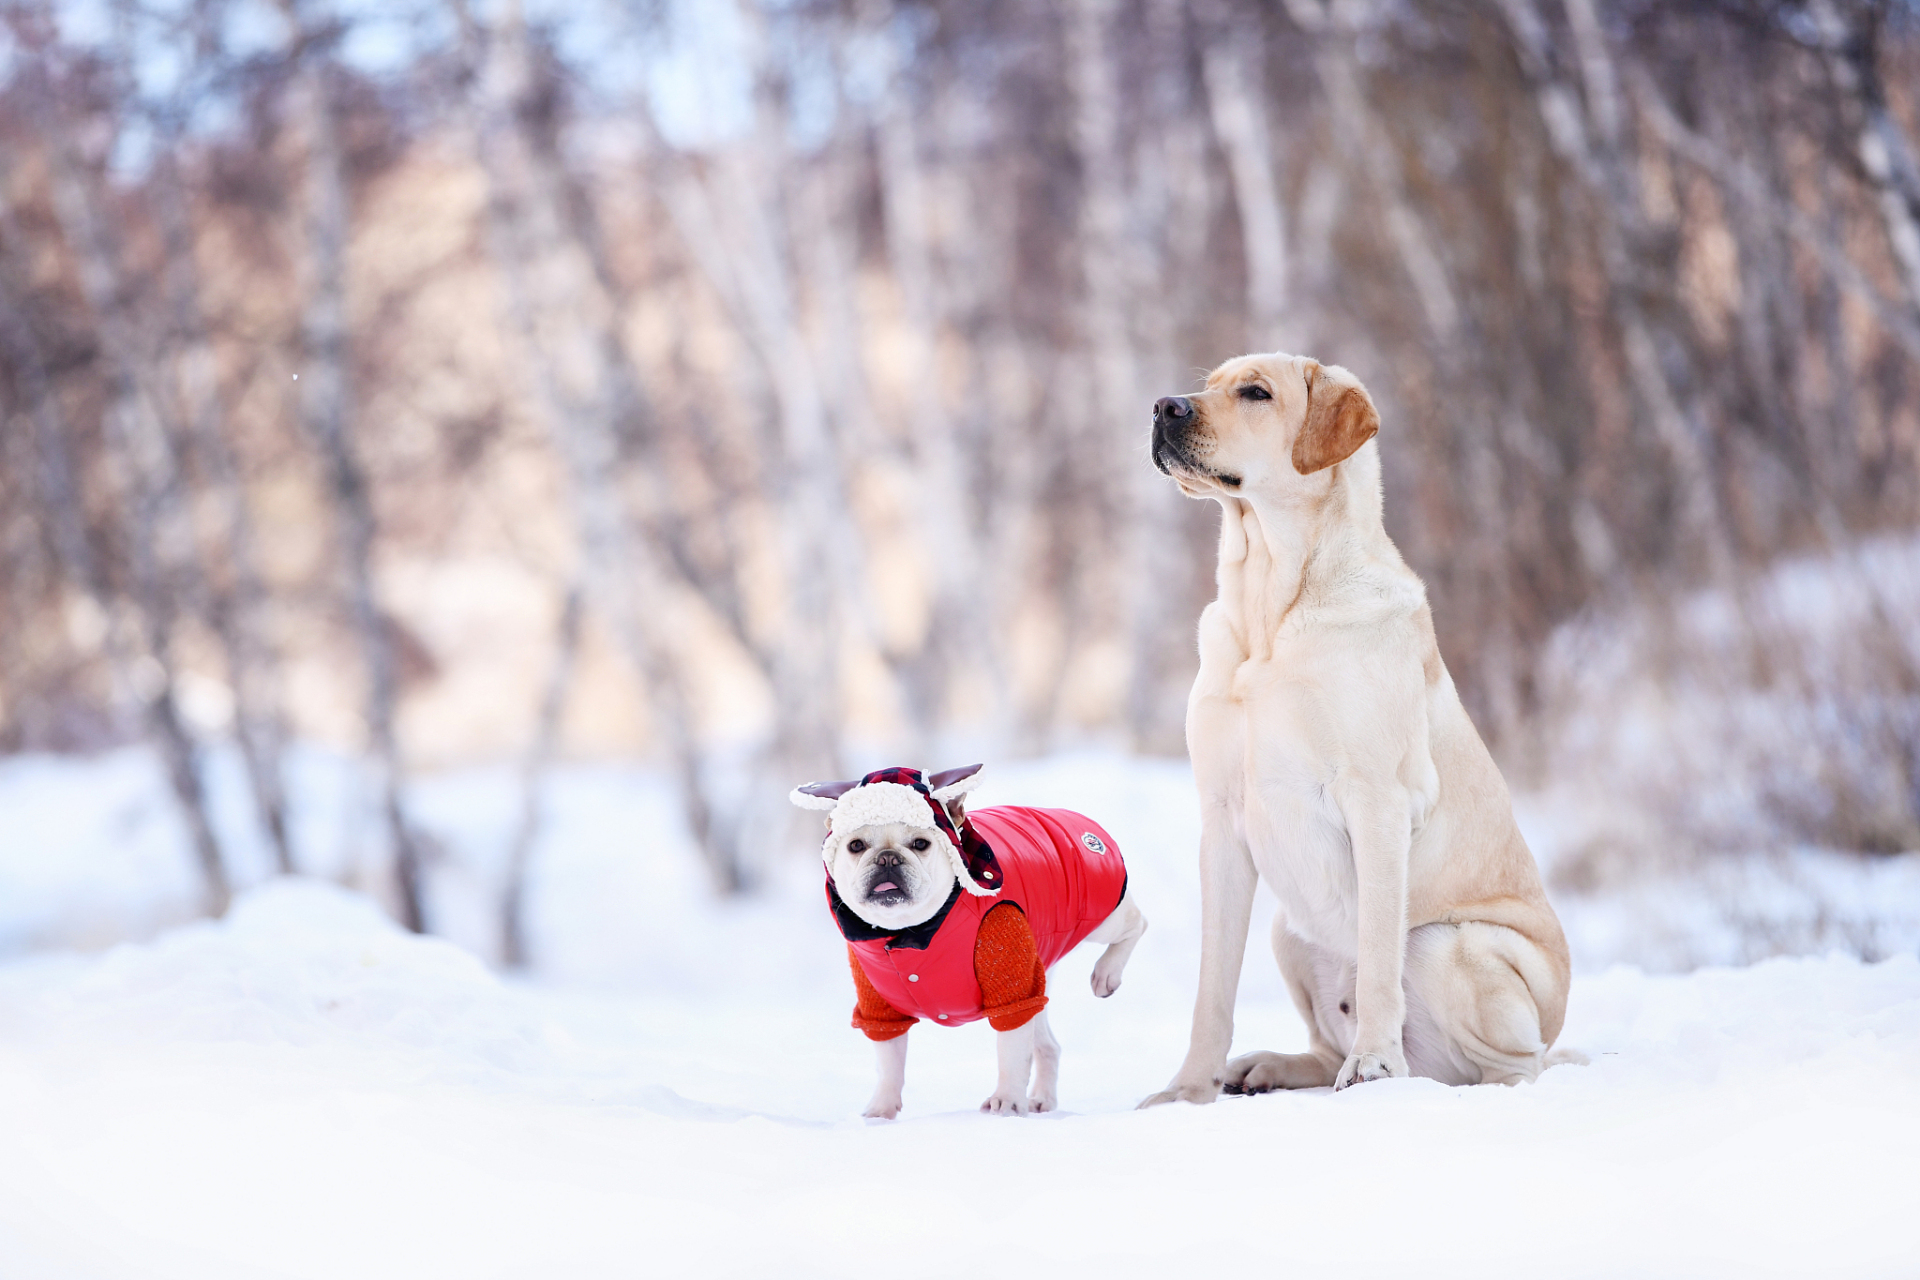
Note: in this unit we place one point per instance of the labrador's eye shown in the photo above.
(1254, 391)
(918, 845)
(856, 846)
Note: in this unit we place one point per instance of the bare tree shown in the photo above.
(540, 753)
(239, 607)
(327, 411)
(847, 396)
(561, 309)
(148, 485)
(1849, 36)
(1233, 66)
(957, 632)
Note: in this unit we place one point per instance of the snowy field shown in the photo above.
(304, 1090)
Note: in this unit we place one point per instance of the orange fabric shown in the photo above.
(871, 1012)
(1013, 982)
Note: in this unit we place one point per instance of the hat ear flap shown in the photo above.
(820, 795)
(951, 784)
(967, 881)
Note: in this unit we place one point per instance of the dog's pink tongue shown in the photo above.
(885, 885)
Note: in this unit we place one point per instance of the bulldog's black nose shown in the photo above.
(1172, 408)
(888, 858)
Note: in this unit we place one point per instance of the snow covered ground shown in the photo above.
(304, 1090)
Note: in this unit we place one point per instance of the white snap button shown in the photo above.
(943, 1017)
(913, 977)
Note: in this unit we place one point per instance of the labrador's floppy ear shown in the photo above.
(951, 784)
(1340, 418)
(820, 795)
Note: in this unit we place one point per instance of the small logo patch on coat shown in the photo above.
(1093, 842)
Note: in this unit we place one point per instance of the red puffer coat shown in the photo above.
(1059, 867)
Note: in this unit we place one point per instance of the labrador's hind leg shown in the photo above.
(1474, 995)
(1265, 1072)
(1315, 1069)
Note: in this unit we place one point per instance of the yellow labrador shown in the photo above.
(1335, 760)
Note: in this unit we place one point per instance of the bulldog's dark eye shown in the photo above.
(1254, 392)
(917, 845)
(856, 846)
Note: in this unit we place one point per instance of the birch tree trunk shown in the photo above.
(144, 472)
(546, 739)
(823, 214)
(1236, 98)
(1338, 71)
(727, 209)
(821, 577)
(959, 632)
(1590, 138)
(238, 608)
(1851, 48)
(327, 413)
(1677, 422)
(725, 219)
(584, 389)
(1110, 264)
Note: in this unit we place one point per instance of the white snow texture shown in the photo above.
(304, 1090)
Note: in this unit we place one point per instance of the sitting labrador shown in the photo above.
(952, 917)
(1335, 761)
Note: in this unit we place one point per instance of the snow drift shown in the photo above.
(303, 1089)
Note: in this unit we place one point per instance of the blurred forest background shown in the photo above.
(761, 387)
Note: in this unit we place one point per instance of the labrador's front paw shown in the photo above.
(885, 1106)
(1006, 1103)
(1378, 1065)
(1198, 1092)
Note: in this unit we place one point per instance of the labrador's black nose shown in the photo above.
(1172, 408)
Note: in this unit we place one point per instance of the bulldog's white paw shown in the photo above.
(1006, 1104)
(1378, 1065)
(885, 1106)
(1043, 1102)
(1198, 1092)
(1106, 977)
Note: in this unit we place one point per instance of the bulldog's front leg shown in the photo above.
(1381, 832)
(1015, 1051)
(891, 1055)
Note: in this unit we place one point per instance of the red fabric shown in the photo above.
(1013, 983)
(1061, 869)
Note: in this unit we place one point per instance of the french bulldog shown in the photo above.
(952, 916)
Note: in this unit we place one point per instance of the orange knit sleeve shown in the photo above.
(871, 1012)
(1013, 982)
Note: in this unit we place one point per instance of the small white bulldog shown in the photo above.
(952, 917)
